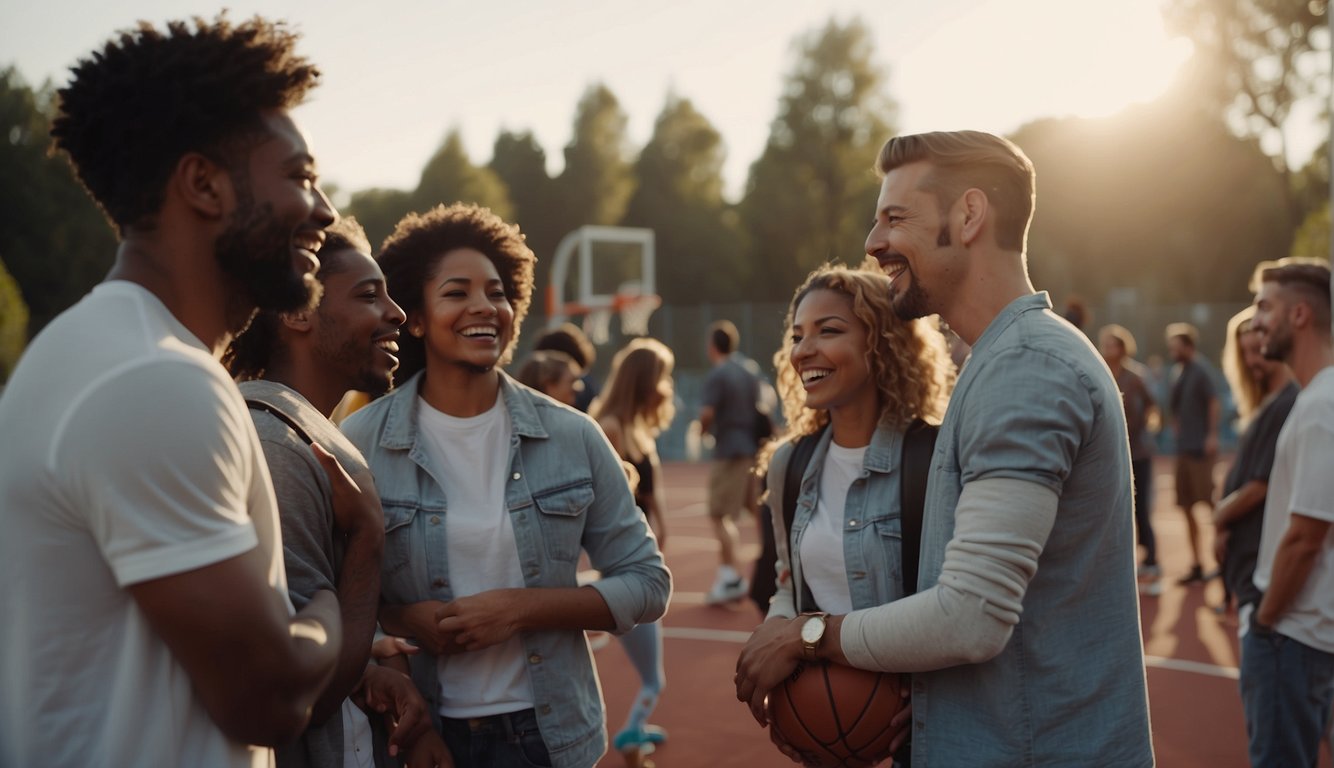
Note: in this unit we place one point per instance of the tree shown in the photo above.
(597, 180)
(521, 165)
(56, 242)
(379, 210)
(449, 176)
(13, 323)
(809, 196)
(1256, 59)
(679, 195)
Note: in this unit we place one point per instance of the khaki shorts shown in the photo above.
(731, 486)
(1195, 481)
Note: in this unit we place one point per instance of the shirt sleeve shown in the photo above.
(159, 459)
(711, 394)
(1025, 420)
(305, 510)
(1312, 480)
(1266, 440)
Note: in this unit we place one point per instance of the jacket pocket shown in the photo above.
(563, 514)
(398, 520)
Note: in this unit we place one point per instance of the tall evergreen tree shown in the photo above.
(810, 194)
(521, 165)
(597, 180)
(450, 176)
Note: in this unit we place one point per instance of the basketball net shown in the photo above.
(632, 307)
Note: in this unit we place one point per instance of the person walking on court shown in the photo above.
(491, 493)
(636, 405)
(858, 385)
(729, 403)
(1023, 637)
(1287, 657)
(1195, 416)
(294, 369)
(1117, 346)
(146, 616)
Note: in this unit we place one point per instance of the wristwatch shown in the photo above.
(812, 632)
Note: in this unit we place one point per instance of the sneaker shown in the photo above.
(1196, 574)
(1149, 571)
(1151, 588)
(649, 735)
(727, 591)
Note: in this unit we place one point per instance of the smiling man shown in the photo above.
(145, 610)
(1024, 637)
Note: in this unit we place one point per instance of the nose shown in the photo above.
(325, 213)
(393, 312)
(873, 244)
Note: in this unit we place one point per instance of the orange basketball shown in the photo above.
(837, 715)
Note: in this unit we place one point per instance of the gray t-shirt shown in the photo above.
(1192, 392)
(312, 553)
(731, 389)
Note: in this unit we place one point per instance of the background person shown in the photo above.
(1195, 413)
(491, 492)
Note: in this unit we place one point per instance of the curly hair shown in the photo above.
(633, 386)
(411, 253)
(248, 356)
(134, 108)
(908, 360)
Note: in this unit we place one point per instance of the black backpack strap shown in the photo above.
(802, 450)
(919, 442)
(260, 405)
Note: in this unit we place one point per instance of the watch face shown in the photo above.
(812, 630)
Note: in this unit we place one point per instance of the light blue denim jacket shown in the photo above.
(1035, 402)
(566, 492)
(872, 525)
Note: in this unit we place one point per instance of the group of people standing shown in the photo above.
(199, 572)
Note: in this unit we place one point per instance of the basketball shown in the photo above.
(837, 715)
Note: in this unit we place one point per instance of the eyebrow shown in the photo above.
(822, 320)
(894, 208)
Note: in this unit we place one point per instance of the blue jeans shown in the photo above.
(510, 740)
(1286, 691)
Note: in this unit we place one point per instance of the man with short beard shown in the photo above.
(1287, 656)
(146, 619)
(1023, 638)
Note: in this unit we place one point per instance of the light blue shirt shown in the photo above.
(1035, 402)
(566, 492)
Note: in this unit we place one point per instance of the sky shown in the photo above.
(399, 74)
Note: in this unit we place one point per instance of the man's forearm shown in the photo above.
(1241, 502)
(358, 599)
(1293, 562)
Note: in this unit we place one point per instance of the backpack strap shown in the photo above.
(802, 450)
(919, 442)
(260, 405)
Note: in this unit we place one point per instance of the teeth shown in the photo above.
(813, 375)
(388, 346)
(477, 331)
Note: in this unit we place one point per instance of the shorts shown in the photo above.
(730, 486)
(1195, 481)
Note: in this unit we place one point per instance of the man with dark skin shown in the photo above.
(146, 612)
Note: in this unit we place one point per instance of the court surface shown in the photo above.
(1190, 650)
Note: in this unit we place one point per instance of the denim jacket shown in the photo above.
(872, 524)
(1035, 402)
(566, 492)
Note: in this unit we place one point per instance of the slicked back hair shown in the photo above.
(410, 255)
(148, 97)
(962, 160)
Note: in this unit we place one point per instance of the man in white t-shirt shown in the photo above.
(1287, 657)
(145, 617)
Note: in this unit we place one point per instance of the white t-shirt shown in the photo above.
(1302, 483)
(128, 455)
(823, 565)
(471, 457)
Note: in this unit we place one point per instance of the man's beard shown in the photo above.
(256, 251)
(912, 302)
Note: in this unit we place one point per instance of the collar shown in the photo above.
(400, 425)
(1034, 301)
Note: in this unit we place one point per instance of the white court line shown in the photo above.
(1160, 662)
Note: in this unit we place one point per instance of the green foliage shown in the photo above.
(1312, 239)
(1160, 199)
(379, 210)
(597, 181)
(810, 195)
(54, 239)
(521, 164)
(680, 196)
(449, 177)
(13, 323)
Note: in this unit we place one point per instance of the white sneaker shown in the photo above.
(1148, 572)
(725, 591)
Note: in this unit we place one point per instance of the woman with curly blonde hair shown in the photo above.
(855, 379)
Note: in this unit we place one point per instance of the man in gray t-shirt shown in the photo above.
(295, 369)
(728, 412)
(1195, 414)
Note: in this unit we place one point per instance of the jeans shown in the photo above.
(1142, 471)
(1286, 692)
(509, 740)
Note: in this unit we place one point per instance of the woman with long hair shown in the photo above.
(490, 493)
(854, 379)
(634, 407)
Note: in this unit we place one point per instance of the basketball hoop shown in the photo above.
(597, 324)
(635, 310)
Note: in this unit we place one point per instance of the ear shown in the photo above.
(1300, 314)
(975, 209)
(414, 325)
(297, 321)
(203, 185)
